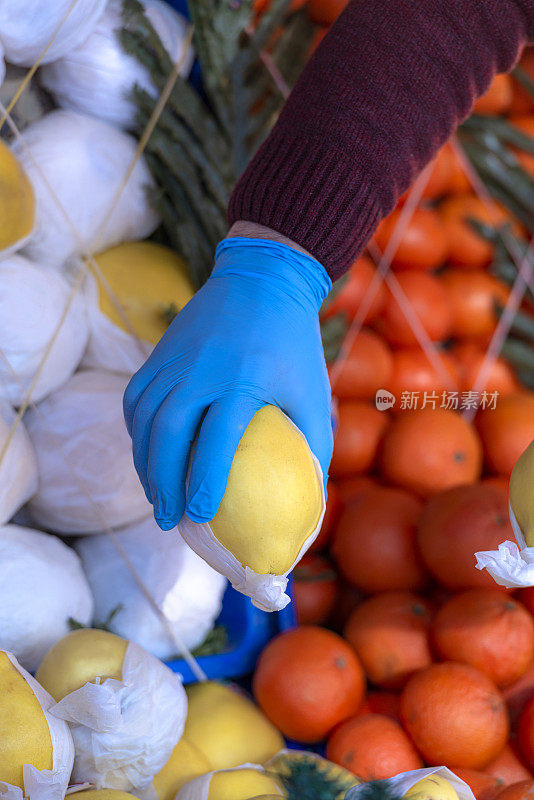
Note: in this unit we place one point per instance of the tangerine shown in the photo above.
(413, 372)
(422, 295)
(506, 430)
(374, 542)
(467, 247)
(390, 634)
(524, 790)
(307, 681)
(474, 297)
(455, 715)
(373, 747)
(361, 427)
(385, 703)
(351, 294)
(423, 244)
(457, 523)
(508, 768)
(469, 358)
(367, 368)
(429, 450)
(487, 629)
(522, 101)
(325, 12)
(497, 99)
(483, 785)
(315, 588)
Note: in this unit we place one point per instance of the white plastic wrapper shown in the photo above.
(267, 592)
(27, 27)
(109, 346)
(42, 586)
(185, 588)
(87, 480)
(403, 782)
(199, 788)
(44, 784)
(84, 161)
(18, 467)
(32, 303)
(125, 731)
(98, 77)
(512, 564)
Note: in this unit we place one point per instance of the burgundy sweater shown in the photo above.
(385, 89)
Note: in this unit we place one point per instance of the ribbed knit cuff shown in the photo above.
(312, 195)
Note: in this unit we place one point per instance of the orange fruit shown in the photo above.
(361, 427)
(373, 747)
(390, 635)
(307, 681)
(467, 248)
(413, 372)
(385, 703)
(374, 542)
(469, 358)
(351, 294)
(423, 244)
(429, 450)
(506, 430)
(458, 182)
(498, 481)
(455, 715)
(473, 297)
(483, 785)
(367, 368)
(525, 124)
(523, 790)
(350, 488)
(324, 12)
(487, 629)
(526, 596)
(508, 768)
(456, 524)
(525, 734)
(428, 300)
(315, 588)
(518, 694)
(522, 101)
(333, 508)
(498, 97)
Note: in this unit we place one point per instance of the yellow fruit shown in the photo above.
(324, 778)
(17, 202)
(522, 493)
(147, 279)
(228, 728)
(103, 794)
(433, 787)
(241, 784)
(79, 658)
(185, 763)
(273, 498)
(25, 735)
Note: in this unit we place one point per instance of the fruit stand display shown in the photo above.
(403, 667)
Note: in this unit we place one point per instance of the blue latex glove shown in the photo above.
(250, 337)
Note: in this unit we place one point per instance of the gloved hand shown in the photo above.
(250, 337)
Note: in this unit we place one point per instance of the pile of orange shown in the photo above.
(408, 655)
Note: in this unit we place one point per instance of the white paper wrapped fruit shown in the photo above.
(246, 782)
(126, 708)
(270, 514)
(42, 586)
(82, 162)
(227, 727)
(18, 464)
(37, 752)
(512, 564)
(87, 481)
(186, 589)
(98, 77)
(138, 284)
(17, 202)
(432, 783)
(28, 27)
(43, 331)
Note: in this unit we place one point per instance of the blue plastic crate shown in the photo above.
(249, 630)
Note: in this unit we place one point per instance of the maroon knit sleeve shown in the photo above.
(385, 89)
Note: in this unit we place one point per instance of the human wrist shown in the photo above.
(253, 230)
